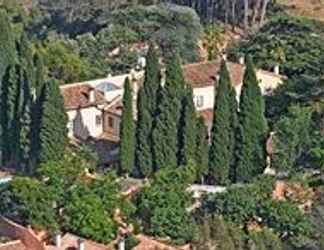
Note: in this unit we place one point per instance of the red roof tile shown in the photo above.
(78, 96)
(13, 245)
(70, 241)
(205, 73)
(207, 114)
(201, 74)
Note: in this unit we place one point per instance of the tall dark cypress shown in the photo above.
(53, 130)
(187, 129)
(143, 150)
(38, 95)
(201, 150)
(127, 132)
(252, 128)
(221, 152)
(7, 44)
(25, 130)
(233, 133)
(147, 108)
(9, 92)
(7, 58)
(165, 133)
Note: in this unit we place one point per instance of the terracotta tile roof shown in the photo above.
(147, 243)
(13, 245)
(205, 73)
(70, 241)
(201, 74)
(115, 107)
(78, 96)
(207, 114)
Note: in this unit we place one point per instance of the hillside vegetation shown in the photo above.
(306, 8)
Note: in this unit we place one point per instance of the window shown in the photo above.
(98, 120)
(70, 126)
(111, 122)
(199, 101)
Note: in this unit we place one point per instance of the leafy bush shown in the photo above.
(243, 204)
(162, 206)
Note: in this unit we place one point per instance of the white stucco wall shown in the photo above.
(207, 95)
(268, 81)
(82, 123)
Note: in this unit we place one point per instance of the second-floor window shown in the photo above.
(199, 101)
(98, 120)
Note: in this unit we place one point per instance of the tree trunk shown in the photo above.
(246, 14)
(256, 11)
(263, 11)
(233, 14)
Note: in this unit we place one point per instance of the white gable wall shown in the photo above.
(83, 123)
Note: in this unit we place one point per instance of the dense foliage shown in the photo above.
(294, 43)
(162, 206)
(89, 204)
(252, 203)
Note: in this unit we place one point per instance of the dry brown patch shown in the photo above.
(307, 8)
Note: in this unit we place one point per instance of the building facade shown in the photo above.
(94, 108)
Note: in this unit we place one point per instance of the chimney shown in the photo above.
(121, 244)
(242, 60)
(92, 97)
(224, 57)
(276, 69)
(58, 240)
(81, 244)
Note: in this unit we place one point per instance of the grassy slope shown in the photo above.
(307, 8)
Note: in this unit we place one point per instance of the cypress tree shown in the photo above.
(165, 133)
(25, 131)
(7, 44)
(53, 130)
(220, 152)
(147, 108)
(201, 150)
(252, 128)
(233, 133)
(8, 99)
(38, 95)
(127, 134)
(187, 129)
(152, 80)
(143, 151)
(7, 58)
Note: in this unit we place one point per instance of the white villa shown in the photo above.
(94, 107)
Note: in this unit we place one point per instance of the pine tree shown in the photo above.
(127, 132)
(201, 150)
(165, 132)
(187, 129)
(53, 130)
(147, 108)
(252, 128)
(220, 152)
